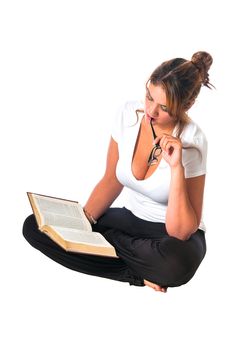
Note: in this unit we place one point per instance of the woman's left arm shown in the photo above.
(185, 196)
(184, 204)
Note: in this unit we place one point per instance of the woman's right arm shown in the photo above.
(108, 188)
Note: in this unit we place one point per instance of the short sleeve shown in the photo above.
(195, 154)
(125, 117)
(117, 124)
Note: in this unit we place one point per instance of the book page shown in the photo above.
(59, 212)
(78, 236)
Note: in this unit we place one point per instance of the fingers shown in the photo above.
(168, 143)
(157, 140)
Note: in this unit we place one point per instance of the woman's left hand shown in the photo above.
(171, 149)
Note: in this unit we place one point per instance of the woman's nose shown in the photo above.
(154, 110)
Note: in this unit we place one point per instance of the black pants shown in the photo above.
(144, 248)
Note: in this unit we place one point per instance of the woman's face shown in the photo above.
(155, 106)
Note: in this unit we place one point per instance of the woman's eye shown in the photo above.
(149, 98)
(164, 108)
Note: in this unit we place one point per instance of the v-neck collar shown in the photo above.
(136, 134)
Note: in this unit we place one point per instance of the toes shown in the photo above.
(155, 286)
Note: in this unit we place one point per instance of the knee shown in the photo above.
(182, 258)
(188, 253)
(29, 226)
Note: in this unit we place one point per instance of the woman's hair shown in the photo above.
(182, 80)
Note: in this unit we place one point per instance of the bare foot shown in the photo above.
(155, 286)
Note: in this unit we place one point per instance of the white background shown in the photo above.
(66, 66)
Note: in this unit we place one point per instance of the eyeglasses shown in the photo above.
(156, 150)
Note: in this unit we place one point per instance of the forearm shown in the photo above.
(102, 196)
(181, 220)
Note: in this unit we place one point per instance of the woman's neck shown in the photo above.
(159, 130)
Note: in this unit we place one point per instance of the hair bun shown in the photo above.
(202, 60)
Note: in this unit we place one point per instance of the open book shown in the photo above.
(65, 223)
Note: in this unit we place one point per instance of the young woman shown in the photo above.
(159, 154)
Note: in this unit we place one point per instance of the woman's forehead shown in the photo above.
(156, 91)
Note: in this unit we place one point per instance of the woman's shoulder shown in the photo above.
(128, 112)
(126, 116)
(194, 150)
(193, 134)
(132, 106)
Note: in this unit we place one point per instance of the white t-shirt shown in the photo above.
(148, 198)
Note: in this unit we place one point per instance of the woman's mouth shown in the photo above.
(150, 118)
